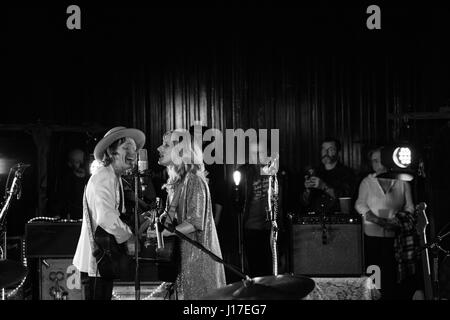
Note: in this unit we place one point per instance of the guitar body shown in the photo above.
(112, 260)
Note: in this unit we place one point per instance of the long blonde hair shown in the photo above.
(190, 159)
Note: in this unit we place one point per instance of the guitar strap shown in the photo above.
(88, 217)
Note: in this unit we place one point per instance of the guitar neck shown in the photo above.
(422, 222)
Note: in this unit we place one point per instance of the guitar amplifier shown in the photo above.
(51, 239)
(327, 246)
(60, 280)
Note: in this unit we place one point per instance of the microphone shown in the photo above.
(159, 237)
(143, 161)
(158, 225)
(143, 167)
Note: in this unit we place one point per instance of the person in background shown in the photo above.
(327, 183)
(69, 197)
(215, 175)
(256, 221)
(385, 205)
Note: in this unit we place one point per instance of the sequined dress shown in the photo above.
(199, 273)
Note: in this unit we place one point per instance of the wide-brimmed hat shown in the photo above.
(116, 133)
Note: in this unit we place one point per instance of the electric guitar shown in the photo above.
(421, 227)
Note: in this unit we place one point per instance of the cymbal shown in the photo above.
(281, 287)
(11, 272)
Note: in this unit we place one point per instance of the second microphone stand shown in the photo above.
(137, 284)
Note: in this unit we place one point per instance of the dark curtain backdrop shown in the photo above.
(309, 72)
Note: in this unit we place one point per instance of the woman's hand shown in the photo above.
(144, 226)
(152, 233)
(392, 224)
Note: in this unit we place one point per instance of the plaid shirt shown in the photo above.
(406, 245)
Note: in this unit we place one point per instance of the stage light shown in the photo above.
(3, 167)
(237, 177)
(402, 157)
(400, 162)
(6, 164)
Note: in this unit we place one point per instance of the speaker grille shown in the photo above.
(342, 255)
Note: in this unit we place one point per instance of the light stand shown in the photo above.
(237, 204)
(137, 284)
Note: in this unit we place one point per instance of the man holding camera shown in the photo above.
(329, 182)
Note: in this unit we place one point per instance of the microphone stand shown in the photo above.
(240, 227)
(137, 285)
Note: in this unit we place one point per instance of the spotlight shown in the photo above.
(237, 177)
(6, 164)
(400, 162)
(402, 157)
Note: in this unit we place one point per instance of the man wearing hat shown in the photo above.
(104, 202)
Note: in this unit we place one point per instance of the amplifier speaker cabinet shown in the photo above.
(60, 280)
(327, 246)
(51, 239)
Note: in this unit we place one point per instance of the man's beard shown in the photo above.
(330, 159)
(79, 172)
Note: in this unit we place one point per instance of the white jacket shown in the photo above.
(103, 198)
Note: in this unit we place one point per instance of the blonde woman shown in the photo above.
(189, 202)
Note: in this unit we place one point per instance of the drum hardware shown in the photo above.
(276, 287)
